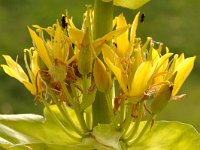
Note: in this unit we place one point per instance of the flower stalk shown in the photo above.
(102, 26)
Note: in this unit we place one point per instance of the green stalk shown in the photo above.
(76, 106)
(88, 118)
(125, 125)
(122, 112)
(103, 17)
(131, 142)
(66, 114)
(133, 131)
(53, 115)
(109, 103)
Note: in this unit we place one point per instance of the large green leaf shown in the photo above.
(166, 135)
(34, 132)
(106, 134)
(27, 130)
(131, 4)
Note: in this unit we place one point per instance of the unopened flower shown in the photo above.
(102, 77)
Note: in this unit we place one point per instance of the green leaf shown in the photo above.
(169, 136)
(27, 130)
(34, 132)
(131, 4)
(106, 134)
(106, 0)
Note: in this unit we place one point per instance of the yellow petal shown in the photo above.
(30, 87)
(183, 71)
(13, 69)
(118, 74)
(179, 59)
(163, 59)
(57, 53)
(111, 35)
(173, 65)
(161, 67)
(141, 79)
(134, 27)
(109, 53)
(34, 63)
(154, 55)
(40, 48)
(102, 77)
(76, 35)
(122, 40)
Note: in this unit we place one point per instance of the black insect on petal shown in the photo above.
(142, 17)
(63, 22)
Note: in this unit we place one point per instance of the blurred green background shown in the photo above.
(176, 23)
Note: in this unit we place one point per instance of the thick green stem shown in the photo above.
(103, 16)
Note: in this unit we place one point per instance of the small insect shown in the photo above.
(115, 44)
(63, 22)
(142, 17)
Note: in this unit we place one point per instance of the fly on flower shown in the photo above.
(63, 22)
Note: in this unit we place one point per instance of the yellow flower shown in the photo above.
(126, 61)
(183, 68)
(123, 45)
(133, 80)
(14, 70)
(138, 69)
(41, 49)
(56, 47)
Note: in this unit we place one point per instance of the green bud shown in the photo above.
(161, 99)
(58, 70)
(85, 57)
(163, 96)
(102, 77)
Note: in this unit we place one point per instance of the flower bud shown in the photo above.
(58, 70)
(85, 58)
(161, 99)
(163, 96)
(102, 78)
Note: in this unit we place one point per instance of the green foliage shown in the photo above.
(131, 4)
(107, 135)
(32, 132)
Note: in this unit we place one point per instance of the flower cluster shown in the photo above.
(143, 70)
(67, 67)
